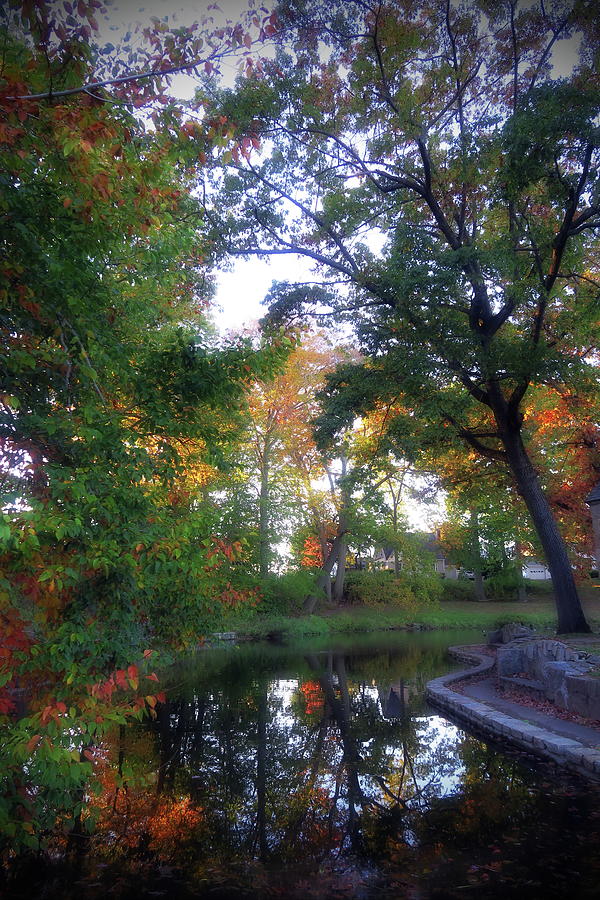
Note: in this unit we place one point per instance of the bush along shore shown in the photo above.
(444, 615)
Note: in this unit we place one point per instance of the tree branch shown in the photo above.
(560, 241)
(473, 441)
(123, 79)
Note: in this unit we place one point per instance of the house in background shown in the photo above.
(383, 559)
(593, 501)
(384, 556)
(536, 571)
(443, 567)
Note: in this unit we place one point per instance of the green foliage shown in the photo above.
(532, 586)
(285, 594)
(116, 404)
(504, 585)
(457, 589)
(477, 164)
(408, 592)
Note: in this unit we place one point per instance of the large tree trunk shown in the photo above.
(324, 554)
(325, 576)
(521, 592)
(479, 587)
(340, 575)
(568, 607)
(263, 515)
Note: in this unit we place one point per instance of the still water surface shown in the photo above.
(320, 772)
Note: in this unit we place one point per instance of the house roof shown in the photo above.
(594, 495)
(430, 542)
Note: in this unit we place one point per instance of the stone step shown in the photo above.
(522, 684)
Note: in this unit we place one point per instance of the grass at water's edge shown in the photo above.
(451, 614)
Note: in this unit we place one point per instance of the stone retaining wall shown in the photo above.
(566, 751)
(556, 672)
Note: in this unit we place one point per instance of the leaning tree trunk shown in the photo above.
(568, 607)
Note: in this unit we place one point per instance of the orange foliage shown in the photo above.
(565, 426)
(313, 697)
(312, 555)
(161, 823)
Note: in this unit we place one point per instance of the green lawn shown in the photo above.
(538, 612)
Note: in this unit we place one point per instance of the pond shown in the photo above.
(320, 772)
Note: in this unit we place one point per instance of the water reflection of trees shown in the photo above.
(277, 774)
(269, 784)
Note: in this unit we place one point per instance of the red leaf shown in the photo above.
(152, 677)
(33, 742)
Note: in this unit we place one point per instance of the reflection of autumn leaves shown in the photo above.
(171, 825)
(313, 697)
(165, 826)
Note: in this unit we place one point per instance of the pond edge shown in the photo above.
(567, 752)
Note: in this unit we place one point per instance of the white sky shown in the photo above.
(241, 290)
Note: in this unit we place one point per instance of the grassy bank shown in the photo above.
(451, 614)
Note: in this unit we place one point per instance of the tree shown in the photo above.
(116, 406)
(388, 474)
(448, 134)
(565, 426)
(276, 469)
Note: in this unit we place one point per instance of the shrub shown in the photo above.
(285, 594)
(532, 586)
(383, 589)
(503, 586)
(457, 589)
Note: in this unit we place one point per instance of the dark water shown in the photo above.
(321, 773)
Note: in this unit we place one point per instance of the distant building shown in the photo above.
(384, 556)
(536, 571)
(593, 501)
(431, 542)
